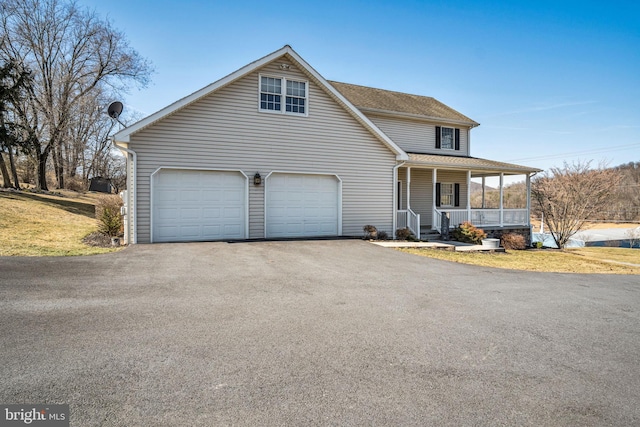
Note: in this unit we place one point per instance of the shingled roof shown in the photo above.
(369, 99)
(472, 163)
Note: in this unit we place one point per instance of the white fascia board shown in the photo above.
(123, 135)
(488, 169)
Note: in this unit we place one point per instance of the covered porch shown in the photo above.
(432, 187)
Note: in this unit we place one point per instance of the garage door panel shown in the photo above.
(299, 205)
(232, 196)
(169, 195)
(198, 205)
(188, 214)
(168, 214)
(211, 213)
(231, 213)
(213, 196)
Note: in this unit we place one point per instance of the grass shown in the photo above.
(581, 260)
(47, 225)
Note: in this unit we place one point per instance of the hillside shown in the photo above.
(47, 225)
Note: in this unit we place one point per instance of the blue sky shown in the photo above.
(549, 81)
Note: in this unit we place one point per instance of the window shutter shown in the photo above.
(456, 194)
(457, 139)
(438, 138)
(437, 194)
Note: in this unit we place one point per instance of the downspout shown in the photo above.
(469, 195)
(529, 176)
(134, 196)
(394, 222)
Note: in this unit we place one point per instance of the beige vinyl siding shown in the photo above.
(415, 136)
(421, 191)
(226, 131)
(402, 177)
(422, 194)
(455, 177)
(256, 208)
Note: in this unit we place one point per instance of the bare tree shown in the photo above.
(15, 83)
(628, 204)
(572, 194)
(72, 54)
(633, 236)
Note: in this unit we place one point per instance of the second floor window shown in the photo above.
(274, 89)
(447, 138)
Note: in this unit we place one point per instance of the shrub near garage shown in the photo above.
(108, 215)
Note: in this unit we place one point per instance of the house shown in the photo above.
(274, 150)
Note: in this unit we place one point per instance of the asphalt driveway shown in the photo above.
(315, 333)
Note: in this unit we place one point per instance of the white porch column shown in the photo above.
(434, 177)
(409, 188)
(468, 195)
(529, 200)
(483, 184)
(501, 199)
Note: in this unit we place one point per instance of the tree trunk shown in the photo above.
(5, 173)
(14, 171)
(41, 179)
(58, 167)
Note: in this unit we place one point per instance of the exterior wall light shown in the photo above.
(257, 179)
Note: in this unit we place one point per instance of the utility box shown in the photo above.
(444, 226)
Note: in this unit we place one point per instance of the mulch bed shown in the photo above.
(97, 239)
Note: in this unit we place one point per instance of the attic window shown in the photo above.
(271, 94)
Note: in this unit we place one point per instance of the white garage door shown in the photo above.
(191, 205)
(300, 205)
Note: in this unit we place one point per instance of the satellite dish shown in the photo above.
(114, 110)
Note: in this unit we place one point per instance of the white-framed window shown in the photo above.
(446, 138)
(446, 194)
(270, 93)
(274, 89)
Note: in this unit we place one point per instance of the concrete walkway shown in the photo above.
(436, 244)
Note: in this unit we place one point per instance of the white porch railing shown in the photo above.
(409, 219)
(480, 217)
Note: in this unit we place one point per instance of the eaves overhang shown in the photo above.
(467, 163)
(434, 119)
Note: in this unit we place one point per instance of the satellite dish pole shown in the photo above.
(114, 110)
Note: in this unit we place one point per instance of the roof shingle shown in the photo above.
(364, 97)
(472, 163)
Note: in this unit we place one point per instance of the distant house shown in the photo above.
(100, 184)
(274, 150)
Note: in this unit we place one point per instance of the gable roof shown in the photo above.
(124, 134)
(369, 99)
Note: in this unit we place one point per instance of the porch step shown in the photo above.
(428, 234)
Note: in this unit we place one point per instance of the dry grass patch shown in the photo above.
(46, 225)
(616, 255)
(547, 260)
